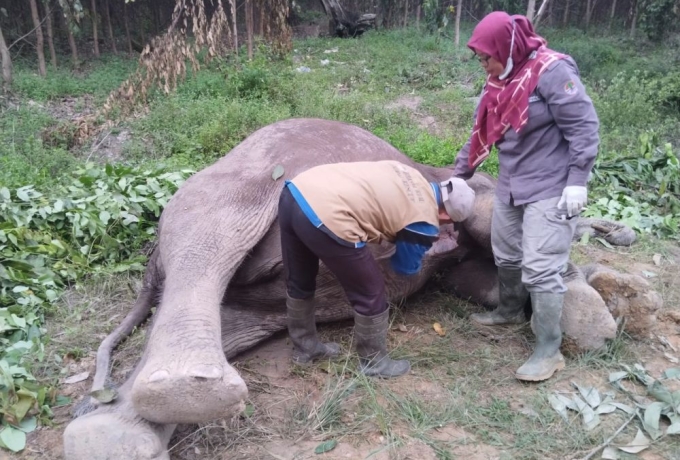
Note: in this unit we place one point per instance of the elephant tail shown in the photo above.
(147, 298)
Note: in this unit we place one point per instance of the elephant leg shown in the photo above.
(186, 377)
(116, 431)
(475, 280)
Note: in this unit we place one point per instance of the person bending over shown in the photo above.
(330, 213)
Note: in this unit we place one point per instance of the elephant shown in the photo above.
(216, 277)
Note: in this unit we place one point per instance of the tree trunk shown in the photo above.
(6, 63)
(127, 29)
(40, 41)
(418, 16)
(140, 22)
(233, 17)
(261, 18)
(50, 34)
(634, 14)
(530, 10)
(550, 13)
(93, 10)
(541, 11)
(589, 9)
(249, 27)
(68, 20)
(107, 18)
(611, 16)
(405, 13)
(565, 18)
(459, 10)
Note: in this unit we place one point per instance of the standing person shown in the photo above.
(536, 112)
(329, 213)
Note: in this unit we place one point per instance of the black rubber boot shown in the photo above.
(512, 296)
(370, 333)
(545, 322)
(302, 331)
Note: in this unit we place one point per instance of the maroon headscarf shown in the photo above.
(505, 103)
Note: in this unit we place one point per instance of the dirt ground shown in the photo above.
(459, 401)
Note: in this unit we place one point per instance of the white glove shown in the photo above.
(575, 198)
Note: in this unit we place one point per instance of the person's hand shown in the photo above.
(574, 198)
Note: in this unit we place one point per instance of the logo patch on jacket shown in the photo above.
(570, 87)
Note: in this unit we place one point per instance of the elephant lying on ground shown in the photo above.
(217, 277)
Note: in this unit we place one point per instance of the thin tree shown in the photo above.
(530, 10)
(233, 17)
(94, 27)
(405, 13)
(6, 63)
(127, 28)
(50, 33)
(611, 16)
(459, 10)
(565, 18)
(107, 18)
(249, 27)
(69, 22)
(634, 15)
(541, 11)
(40, 41)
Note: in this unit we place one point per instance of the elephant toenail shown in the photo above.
(206, 372)
(158, 376)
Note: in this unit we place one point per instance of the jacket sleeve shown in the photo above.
(412, 243)
(574, 114)
(461, 167)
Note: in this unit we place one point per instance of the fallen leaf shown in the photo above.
(559, 405)
(278, 172)
(674, 428)
(605, 409)
(615, 376)
(610, 453)
(77, 378)
(590, 418)
(657, 259)
(672, 373)
(627, 409)
(651, 419)
(13, 439)
(438, 329)
(326, 446)
(529, 412)
(590, 394)
(402, 328)
(638, 444)
(105, 395)
(671, 358)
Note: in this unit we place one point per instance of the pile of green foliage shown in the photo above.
(98, 223)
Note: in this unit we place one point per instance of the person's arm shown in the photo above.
(574, 114)
(411, 244)
(461, 167)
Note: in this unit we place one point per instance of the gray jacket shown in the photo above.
(557, 146)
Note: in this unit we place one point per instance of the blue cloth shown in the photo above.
(412, 243)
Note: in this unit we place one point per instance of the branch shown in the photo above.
(611, 438)
(32, 30)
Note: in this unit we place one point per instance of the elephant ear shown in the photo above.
(381, 251)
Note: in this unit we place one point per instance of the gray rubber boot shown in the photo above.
(545, 322)
(370, 333)
(512, 296)
(302, 331)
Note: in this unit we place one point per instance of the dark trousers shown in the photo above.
(303, 245)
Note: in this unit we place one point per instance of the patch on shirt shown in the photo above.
(534, 98)
(570, 87)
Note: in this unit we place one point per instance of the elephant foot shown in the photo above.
(117, 435)
(194, 388)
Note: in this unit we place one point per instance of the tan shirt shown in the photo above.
(368, 201)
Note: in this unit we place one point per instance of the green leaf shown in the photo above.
(278, 172)
(674, 428)
(4, 192)
(326, 446)
(590, 394)
(104, 216)
(28, 425)
(559, 405)
(604, 242)
(585, 238)
(23, 195)
(627, 409)
(105, 395)
(249, 410)
(13, 439)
